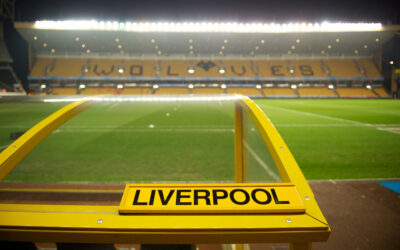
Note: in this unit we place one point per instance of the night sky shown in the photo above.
(200, 10)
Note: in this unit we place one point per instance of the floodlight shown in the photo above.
(330, 86)
(368, 86)
(82, 86)
(43, 86)
(207, 27)
(291, 71)
(190, 86)
(221, 71)
(391, 62)
(191, 71)
(293, 86)
(258, 86)
(223, 86)
(120, 70)
(120, 86)
(155, 86)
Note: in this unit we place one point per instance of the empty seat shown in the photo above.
(355, 93)
(315, 92)
(279, 92)
(98, 91)
(136, 91)
(172, 91)
(244, 91)
(63, 91)
(205, 91)
(381, 92)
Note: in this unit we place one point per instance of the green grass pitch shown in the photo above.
(142, 142)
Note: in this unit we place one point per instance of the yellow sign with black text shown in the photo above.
(211, 198)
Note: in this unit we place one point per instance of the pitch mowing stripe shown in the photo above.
(363, 124)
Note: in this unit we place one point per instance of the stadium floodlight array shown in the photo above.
(224, 27)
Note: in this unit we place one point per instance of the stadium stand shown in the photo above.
(369, 67)
(204, 90)
(342, 68)
(98, 91)
(244, 91)
(172, 91)
(273, 68)
(315, 92)
(136, 91)
(279, 92)
(307, 67)
(67, 67)
(64, 91)
(355, 93)
(381, 92)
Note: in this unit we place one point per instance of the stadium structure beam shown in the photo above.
(7, 8)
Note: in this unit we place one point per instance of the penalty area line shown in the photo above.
(262, 163)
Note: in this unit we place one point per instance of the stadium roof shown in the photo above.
(219, 40)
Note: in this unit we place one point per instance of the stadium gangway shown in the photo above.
(299, 226)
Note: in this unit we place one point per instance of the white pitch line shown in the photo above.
(364, 124)
(317, 125)
(318, 115)
(262, 163)
(389, 130)
(112, 106)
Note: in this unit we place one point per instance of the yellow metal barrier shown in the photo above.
(104, 224)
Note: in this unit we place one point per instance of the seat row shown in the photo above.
(253, 92)
(81, 67)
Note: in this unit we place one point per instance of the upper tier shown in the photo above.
(76, 68)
